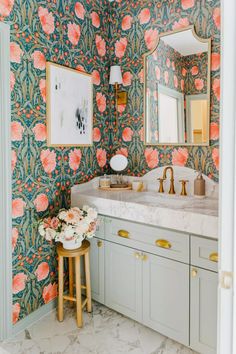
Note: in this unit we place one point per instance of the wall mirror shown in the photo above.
(177, 89)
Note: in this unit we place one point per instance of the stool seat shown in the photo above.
(84, 248)
(74, 256)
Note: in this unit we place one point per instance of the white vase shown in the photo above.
(71, 244)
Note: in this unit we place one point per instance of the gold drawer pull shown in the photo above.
(99, 244)
(163, 244)
(123, 233)
(213, 257)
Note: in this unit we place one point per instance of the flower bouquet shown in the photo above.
(70, 227)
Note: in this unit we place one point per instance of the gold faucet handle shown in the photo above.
(161, 186)
(184, 182)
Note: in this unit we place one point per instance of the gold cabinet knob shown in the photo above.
(213, 257)
(123, 233)
(137, 255)
(144, 257)
(99, 244)
(194, 272)
(163, 244)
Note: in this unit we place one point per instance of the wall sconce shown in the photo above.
(121, 97)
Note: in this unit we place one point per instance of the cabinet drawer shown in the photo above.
(166, 243)
(204, 253)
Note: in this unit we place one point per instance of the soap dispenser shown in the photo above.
(199, 185)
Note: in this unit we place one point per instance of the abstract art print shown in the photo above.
(69, 106)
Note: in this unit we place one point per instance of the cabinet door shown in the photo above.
(123, 280)
(203, 310)
(97, 247)
(166, 297)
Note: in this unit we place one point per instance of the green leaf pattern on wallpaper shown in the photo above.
(73, 34)
(88, 35)
(134, 27)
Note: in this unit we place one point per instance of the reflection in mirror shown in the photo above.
(177, 90)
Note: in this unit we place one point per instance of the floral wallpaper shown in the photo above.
(167, 67)
(134, 27)
(87, 35)
(72, 33)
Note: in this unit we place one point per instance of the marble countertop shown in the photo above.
(186, 214)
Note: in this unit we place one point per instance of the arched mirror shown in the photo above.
(177, 89)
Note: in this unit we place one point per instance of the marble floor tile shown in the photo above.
(104, 332)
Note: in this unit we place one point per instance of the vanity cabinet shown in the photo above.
(165, 279)
(166, 297)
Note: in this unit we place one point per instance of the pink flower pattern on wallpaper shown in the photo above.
(18, 207)
(101, 157)
(96, 134)
(122, 151)
(151, 156)
(12, 80)
(42, 271)
(75, 159)
(18, 282)
(40, 132)
(46, 19)
(16, 131)
(42, 86)
(15, 312)
(39, 60)
(41, 202)
(150, 37)
(48, 160)
(95, 19)
(126, 22)
(120, 47)
(101, 45)
(15, 235)
(187, 4)
(127, 134)
(180, 157)
(144, 16)
(6, 7)
(73, 33)
(101, 102)
(80, 10)
(15, 52)
(49, 292)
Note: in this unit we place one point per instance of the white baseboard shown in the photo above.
(33, 317)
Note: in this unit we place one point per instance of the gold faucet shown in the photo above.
(172, 185)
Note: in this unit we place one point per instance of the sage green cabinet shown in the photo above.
(203, 310)
(123, 280)
(166, 297)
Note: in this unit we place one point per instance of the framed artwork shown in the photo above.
(69, 106)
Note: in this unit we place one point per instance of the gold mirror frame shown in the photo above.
(203, 40)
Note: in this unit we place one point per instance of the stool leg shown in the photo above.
(88, 282)
(60, 298)
(78, 292)
(71, 280)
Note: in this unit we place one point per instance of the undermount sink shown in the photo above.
(162, 200)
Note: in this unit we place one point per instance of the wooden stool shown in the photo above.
(74, 254)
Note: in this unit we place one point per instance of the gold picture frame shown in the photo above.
(69, 107)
